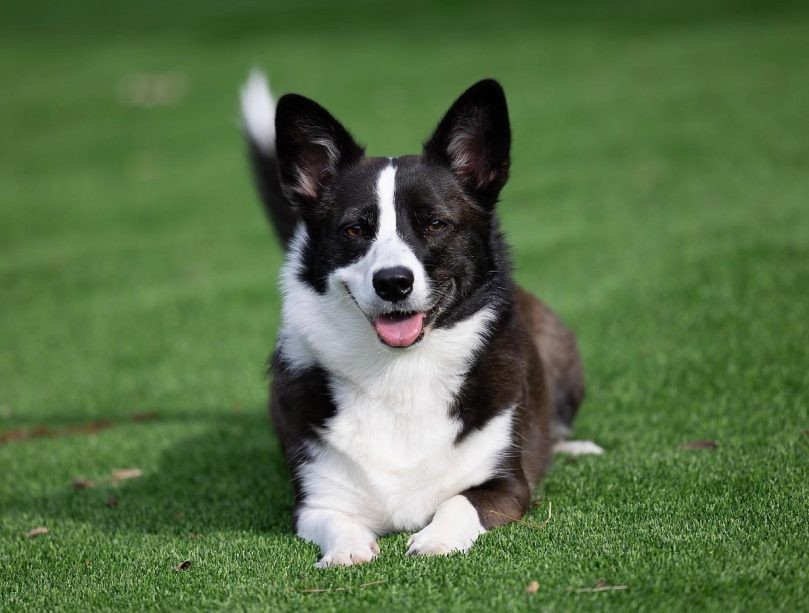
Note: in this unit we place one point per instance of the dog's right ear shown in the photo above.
(312, 148)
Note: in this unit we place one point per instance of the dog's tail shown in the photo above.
(258, 123)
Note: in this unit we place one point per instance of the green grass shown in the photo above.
(659, 202)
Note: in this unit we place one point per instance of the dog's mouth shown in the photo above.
(402, 329)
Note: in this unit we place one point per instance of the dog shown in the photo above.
(415, 387)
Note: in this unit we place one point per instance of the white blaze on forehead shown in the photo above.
(385, 189)
(389, 248)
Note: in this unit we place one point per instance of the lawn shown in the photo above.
(659, 202)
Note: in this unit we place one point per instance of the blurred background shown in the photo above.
(658, 203)
(652, 142)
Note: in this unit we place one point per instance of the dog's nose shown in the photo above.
(393, 284)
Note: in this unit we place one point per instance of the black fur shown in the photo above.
(344, 201)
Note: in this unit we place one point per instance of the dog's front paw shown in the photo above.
(349, 555)
(432, 541)
(343, 540)
(455, 527)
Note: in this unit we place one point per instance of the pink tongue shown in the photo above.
(399, 331)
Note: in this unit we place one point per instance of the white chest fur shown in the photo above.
(390, 466)
(389, 455)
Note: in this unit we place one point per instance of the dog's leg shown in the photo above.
(343, 541)
(459, 521)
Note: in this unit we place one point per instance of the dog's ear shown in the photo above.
(312, 148)
(474, 141)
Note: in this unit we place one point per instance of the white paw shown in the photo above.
(427, 543)
(578, 448)
(343, 540)
(349, 555)
(455, 527)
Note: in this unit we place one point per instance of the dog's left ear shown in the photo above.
(474, 141)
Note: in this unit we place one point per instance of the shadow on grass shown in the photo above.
(231, 477)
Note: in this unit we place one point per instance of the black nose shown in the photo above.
(393, 284)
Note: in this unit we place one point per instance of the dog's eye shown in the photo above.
(435, 226)
(354, 231)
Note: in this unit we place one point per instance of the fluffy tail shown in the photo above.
(258, 123)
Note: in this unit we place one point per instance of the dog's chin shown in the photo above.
(401, 329)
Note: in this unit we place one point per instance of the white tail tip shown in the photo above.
(258, 111)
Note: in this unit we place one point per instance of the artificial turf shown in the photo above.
(659, 202)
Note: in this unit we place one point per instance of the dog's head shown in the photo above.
(407, 239)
